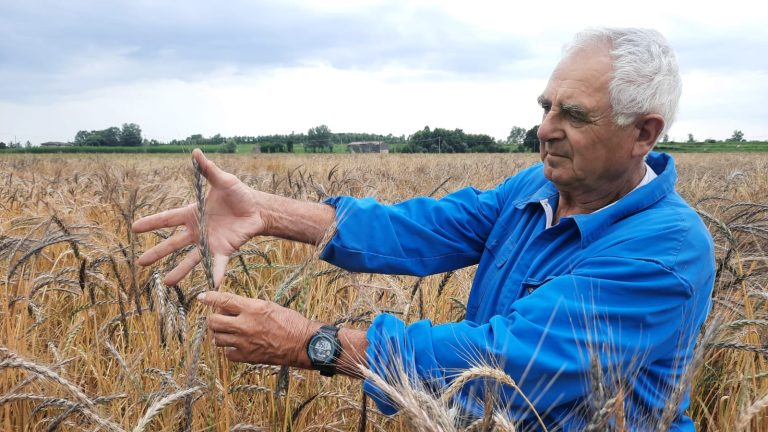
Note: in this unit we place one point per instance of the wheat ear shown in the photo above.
(160, 405)
(488, 372)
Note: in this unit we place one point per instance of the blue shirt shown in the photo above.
(629, 285)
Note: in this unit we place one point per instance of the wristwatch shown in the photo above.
(323, 349)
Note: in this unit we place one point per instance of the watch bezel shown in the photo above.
(326, 366)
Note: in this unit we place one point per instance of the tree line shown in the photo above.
(128, 136)
(321, 139)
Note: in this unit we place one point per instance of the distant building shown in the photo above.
(368, 147)
(56, 144)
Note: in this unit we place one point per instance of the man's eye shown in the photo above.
(572, 116)
(546, 108)
(576, 117)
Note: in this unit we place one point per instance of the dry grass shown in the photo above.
(92, 341)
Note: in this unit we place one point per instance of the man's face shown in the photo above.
(580, 146)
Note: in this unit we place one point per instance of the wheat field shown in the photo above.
(89, 340)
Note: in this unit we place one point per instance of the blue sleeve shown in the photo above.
(420, 236)
(629, 312)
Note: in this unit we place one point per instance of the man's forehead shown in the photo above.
(563, 92)
(581, 78)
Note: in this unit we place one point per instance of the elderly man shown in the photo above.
(588, 260)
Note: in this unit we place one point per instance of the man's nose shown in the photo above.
(550, 128)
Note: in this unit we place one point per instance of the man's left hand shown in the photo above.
(258, 331)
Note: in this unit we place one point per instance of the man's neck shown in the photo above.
(573, 202)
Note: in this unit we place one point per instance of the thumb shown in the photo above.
(208, 169)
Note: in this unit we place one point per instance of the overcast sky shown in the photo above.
(257, 67)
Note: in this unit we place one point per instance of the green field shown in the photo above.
(717, 147)
(698, 147)
(165, 148)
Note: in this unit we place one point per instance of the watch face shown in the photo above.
(322, 349)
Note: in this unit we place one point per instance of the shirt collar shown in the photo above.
(593, 224)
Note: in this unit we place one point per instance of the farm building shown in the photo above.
(368, 147)
(56, 144)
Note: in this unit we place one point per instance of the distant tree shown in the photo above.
(27, 144)
(81, 138)
(130, 135)
(229, 147)
(481, 143)
(690, 138)
(516, 135)
(531, 140)
(3, 146)
(289, 145)
(111, 136)
(195, 139)
(441, 140)
(319, 138)
(738, 136)
(106, 137)
(665, 139)
(217, 139)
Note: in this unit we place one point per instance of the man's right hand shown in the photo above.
(232, 216)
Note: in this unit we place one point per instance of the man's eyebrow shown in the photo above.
(574, 111)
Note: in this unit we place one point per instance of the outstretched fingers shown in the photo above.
(183, 268)
(173, 243)
(165, 219)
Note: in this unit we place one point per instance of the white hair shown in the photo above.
(645, 79)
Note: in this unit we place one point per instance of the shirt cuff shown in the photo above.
(342, 205)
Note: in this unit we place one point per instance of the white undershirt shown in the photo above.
(647, 178)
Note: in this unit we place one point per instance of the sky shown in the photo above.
(259, 67)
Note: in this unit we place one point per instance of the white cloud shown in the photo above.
(393, 100)
(394, 66)
(714, 104)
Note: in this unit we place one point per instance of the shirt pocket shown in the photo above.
(499, 246)
(530, 285)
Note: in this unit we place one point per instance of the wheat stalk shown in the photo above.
(421, 410)
(73, 406)
(13, 360)
(498, 375)
(194, 360)
(205, 252)
(161, 404)
(242, 427)
(747, 415)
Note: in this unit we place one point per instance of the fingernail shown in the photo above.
(201, 297)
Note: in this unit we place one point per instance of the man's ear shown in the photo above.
(649, 127)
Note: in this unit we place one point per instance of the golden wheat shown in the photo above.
(89, 339)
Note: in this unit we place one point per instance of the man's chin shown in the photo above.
(555, 168)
